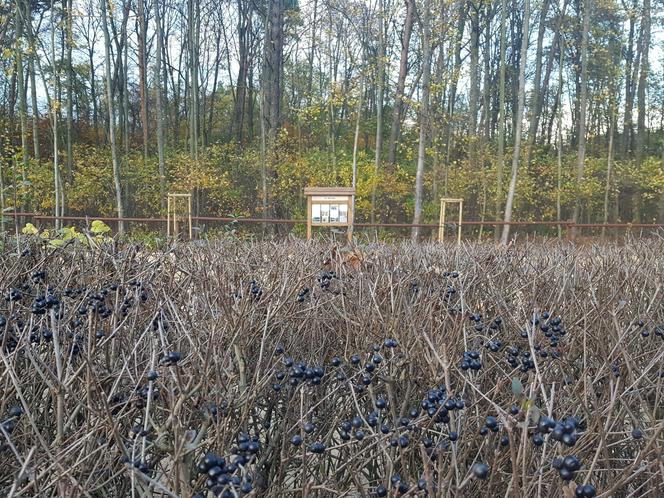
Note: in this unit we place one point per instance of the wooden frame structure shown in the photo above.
(330, 207)
(441, 224)
(172, 218)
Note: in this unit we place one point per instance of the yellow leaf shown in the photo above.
(99, 227)
(30, 229)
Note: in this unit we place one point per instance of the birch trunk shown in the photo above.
(424, 118)
(509, 204)
(111, 120)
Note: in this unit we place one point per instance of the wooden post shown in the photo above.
(441, 222)
(460, 221)
(168, 216)
(189, 199)
(308, 217)
(351, 217)
(172, 219)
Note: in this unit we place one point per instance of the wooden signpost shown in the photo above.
(441, 224)
(175, 216)
(330, 207)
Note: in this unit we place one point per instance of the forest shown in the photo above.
(526, 109)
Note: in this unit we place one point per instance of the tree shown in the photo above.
(537, 83)
(244, 46)
(33, 85)
(271, 86)
(54, 106)
(517, 132)
(424, 117)
(111, 117)
(501, 116)
(193, 43)
(397, 114)
(380, 97)
(583, 102)
(69, 43)
(158, 104)
(628, 128)
(641, 131)
(22, 103)
(141, 21)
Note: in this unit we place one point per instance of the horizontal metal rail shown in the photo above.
(562, 223)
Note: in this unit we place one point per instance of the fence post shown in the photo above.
(570, 231)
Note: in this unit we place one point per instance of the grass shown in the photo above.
(92, 424)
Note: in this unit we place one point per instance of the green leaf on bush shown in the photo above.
(517, 387)
(99, 227)
(535, 413)
(29, 229)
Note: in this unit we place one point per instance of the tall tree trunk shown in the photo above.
(609, 165)
(158, 104)
(54, 124)
(519, 119)
(501, 119)
(559, 113)
(251, 104)
(273, 67)
(244, 25)
(486, 105)
(486, 109)
(424, 118)
(641, 130)
(547, 75)
(213, 97)
(33, 88)
(628, 128)
(111, 118)
(474, 89)
(167, 116)
(356, 140)
(2, 195)
(438, 97)
(312, 47)
(69, 40)
(397, 114)
(537, 83)
(380, 97)
(22, 101)
(271, 88)
(35, 110)
(93, 94)
(451, 101)
(583, 101)
(125, 93)
(193, 22)
(330, 107)
(142, 73)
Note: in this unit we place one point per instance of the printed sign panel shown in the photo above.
(343, 213)
(334, 213)
(325, 213)
(315, 213)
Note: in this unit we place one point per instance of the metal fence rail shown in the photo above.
(566, 225)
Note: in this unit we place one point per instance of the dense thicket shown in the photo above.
(431, 371)
(105, 106)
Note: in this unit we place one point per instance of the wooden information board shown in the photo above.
(330, 207)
